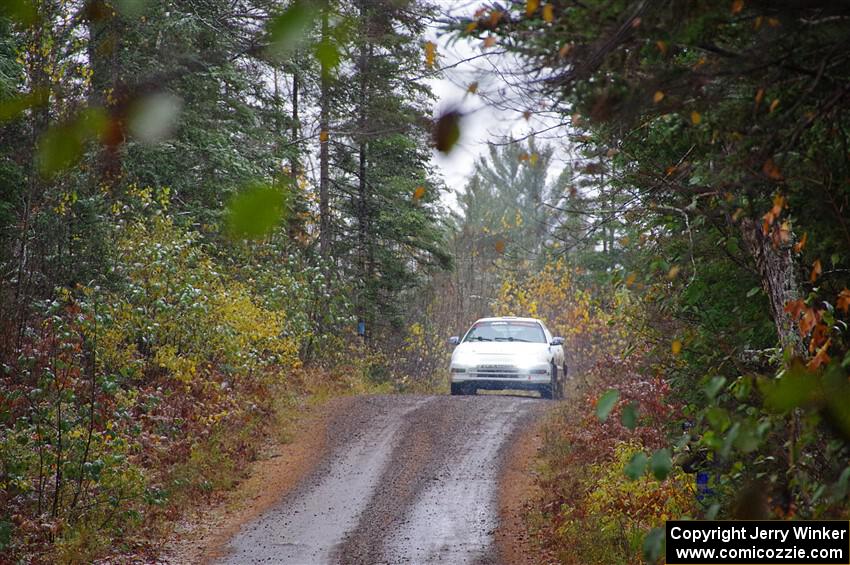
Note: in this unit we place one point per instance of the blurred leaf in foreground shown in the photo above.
(606, 403)
(636, 466)
(255, 211)
(22, 11)
(286, 29)
(63, 145)
(446, 131)
(154, 117)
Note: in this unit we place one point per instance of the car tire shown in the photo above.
(546, 392)
(556, 386)
(458, 389)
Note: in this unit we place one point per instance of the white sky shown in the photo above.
(483, 122)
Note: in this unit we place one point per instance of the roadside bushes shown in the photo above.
(130, 398)
(597, 502)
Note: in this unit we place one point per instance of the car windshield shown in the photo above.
(506, 331)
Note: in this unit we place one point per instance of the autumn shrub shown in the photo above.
(130, 400)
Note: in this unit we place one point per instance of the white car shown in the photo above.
(508, 353)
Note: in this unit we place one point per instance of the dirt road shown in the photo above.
(406, 479)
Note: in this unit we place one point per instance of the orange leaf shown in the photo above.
(548, 13)
(658, 96)
(759, 96)
(527, 115)
(696, 118)
(773, 105)
(737, 6)
(773, 22)
(500, 246)
(821, 358)
(531, 7)
(323, 136)
(565, 50)
(771, 171)
(800, 245)
(419, 193)
(794, 308)
(662, 46)
(489, 41)
(495, 16)
(817, 269)
(843, 303)
(808, 320)
(472, 88)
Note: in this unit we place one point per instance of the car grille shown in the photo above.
(497, 371)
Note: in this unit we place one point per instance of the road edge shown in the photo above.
(517, 491)
(203, 537)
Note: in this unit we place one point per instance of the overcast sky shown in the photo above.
(483, 122)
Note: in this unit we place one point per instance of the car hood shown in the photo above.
(495, 348)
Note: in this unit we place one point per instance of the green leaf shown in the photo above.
(256, 211)
(21, 11)
(286, 29)
(714, 386)
(796, 387)
(629, 416)
(606, 403)
(661, 464)
(653, 545)
(636, 466)
(753, 291)
(62, 145)
(327, 53)
(13, 107)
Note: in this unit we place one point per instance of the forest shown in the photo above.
(215, 211)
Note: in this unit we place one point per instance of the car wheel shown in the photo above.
(556, 385)
(546, 392)
(458, 389)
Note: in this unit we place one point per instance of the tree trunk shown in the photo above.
(775, 265)
(324, 176)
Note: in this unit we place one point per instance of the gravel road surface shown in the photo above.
(407, 479)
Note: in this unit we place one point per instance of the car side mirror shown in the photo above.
(557, 341)
(454, 340)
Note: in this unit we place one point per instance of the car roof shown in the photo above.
(508, 319)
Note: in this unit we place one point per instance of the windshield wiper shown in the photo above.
(511, 339)
(479, 338)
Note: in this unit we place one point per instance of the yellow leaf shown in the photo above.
(737, 6)
(696, 118)
(548, 13)
(532, 159)
(471, 26)
(472, 88)
(676, 347)
(673, 272)
(658, 96)
(773, 22)
(419, 193)
(531, 7)
(630, 280)
(323, 136)
(774, 104)
(430, 54)
(758, 21)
